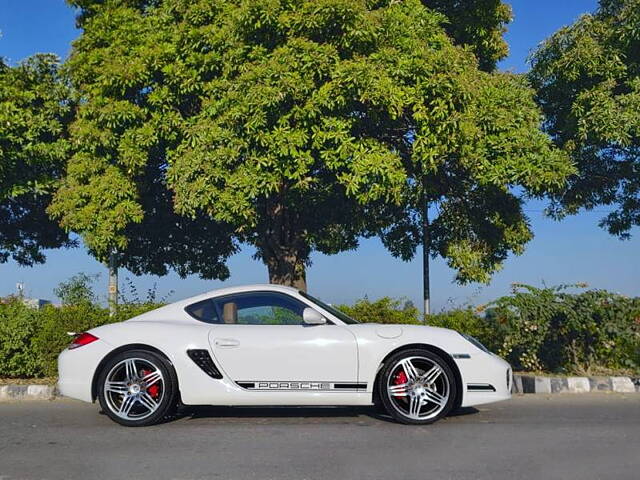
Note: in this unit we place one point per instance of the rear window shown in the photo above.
(205, 311)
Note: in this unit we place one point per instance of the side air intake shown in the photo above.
(202, 359)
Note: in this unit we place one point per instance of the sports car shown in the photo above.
(272, 345)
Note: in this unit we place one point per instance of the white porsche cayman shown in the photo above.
(274, 345)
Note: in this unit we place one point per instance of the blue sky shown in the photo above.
(574, 250)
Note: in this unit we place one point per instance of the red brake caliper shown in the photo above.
(400, 378)
(153, 390)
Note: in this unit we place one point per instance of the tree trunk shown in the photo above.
(282, 246)
(287, 270)
(113, 283)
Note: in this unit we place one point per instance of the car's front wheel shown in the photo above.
(137, 388)
(417, 387)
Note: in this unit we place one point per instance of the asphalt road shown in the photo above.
(532, 437)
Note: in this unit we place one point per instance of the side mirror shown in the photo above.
(312, 317)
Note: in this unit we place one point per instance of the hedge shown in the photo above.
(547, 329)
(30, 340)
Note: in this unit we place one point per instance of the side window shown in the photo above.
(260, 308)
(205, 311)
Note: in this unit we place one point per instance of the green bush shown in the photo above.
(18, 329)
(54, 324)
(30, 340)
(384, 310)
(551, 330)
(537, 329)
(464, 320)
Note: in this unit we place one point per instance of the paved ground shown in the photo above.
(532, 437)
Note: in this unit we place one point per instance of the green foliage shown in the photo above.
(115, 193)
(552, 330)
(18, 328)
(34, 113)
(31, 340)
(464, 320)
(53, 325)
(383, 310)
(536, 329)
(479, 24)
(77, 290)
(297, 126)
(587, 76)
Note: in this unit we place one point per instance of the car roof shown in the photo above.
(218, 292)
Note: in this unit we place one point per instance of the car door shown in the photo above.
(262, 342)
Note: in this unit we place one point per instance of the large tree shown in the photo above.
(302, 118)
(302, 125)
(587, 77)
(34, 113)
(114, 192)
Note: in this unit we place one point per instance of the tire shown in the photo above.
(417, 387)
(138, 388)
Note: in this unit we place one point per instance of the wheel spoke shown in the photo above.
(415, 404)
(130, 369)
(409, 370)
(432, 375)
(435, 397)
(120, 388)
(151, 378)
(146, 400)
(126, 405)
(398, 390)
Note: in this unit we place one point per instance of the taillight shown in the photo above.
(83, 339)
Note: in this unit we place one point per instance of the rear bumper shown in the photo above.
(77, 367)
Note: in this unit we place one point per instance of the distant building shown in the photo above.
(36, 303)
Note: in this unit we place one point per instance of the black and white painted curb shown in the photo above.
(522, 384)
(549, 385)
(27, 392)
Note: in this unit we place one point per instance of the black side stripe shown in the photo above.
(351, 386)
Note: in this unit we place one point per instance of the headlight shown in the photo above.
(476, 342)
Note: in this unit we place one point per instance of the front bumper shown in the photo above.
(486, 378)
(77, 367)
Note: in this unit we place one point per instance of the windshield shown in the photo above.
(332, 310)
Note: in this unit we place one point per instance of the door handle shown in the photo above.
(227, 342)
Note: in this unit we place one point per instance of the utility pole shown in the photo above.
(113, 282)
(426, 247)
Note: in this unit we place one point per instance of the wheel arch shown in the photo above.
(432, 348)
(119, 350)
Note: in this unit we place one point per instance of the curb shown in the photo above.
(551, 385)
(27, 392)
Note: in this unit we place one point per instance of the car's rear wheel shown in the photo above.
(137, 388)
(417, 387)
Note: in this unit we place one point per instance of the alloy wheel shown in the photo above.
(418, 388)
(134, 389)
